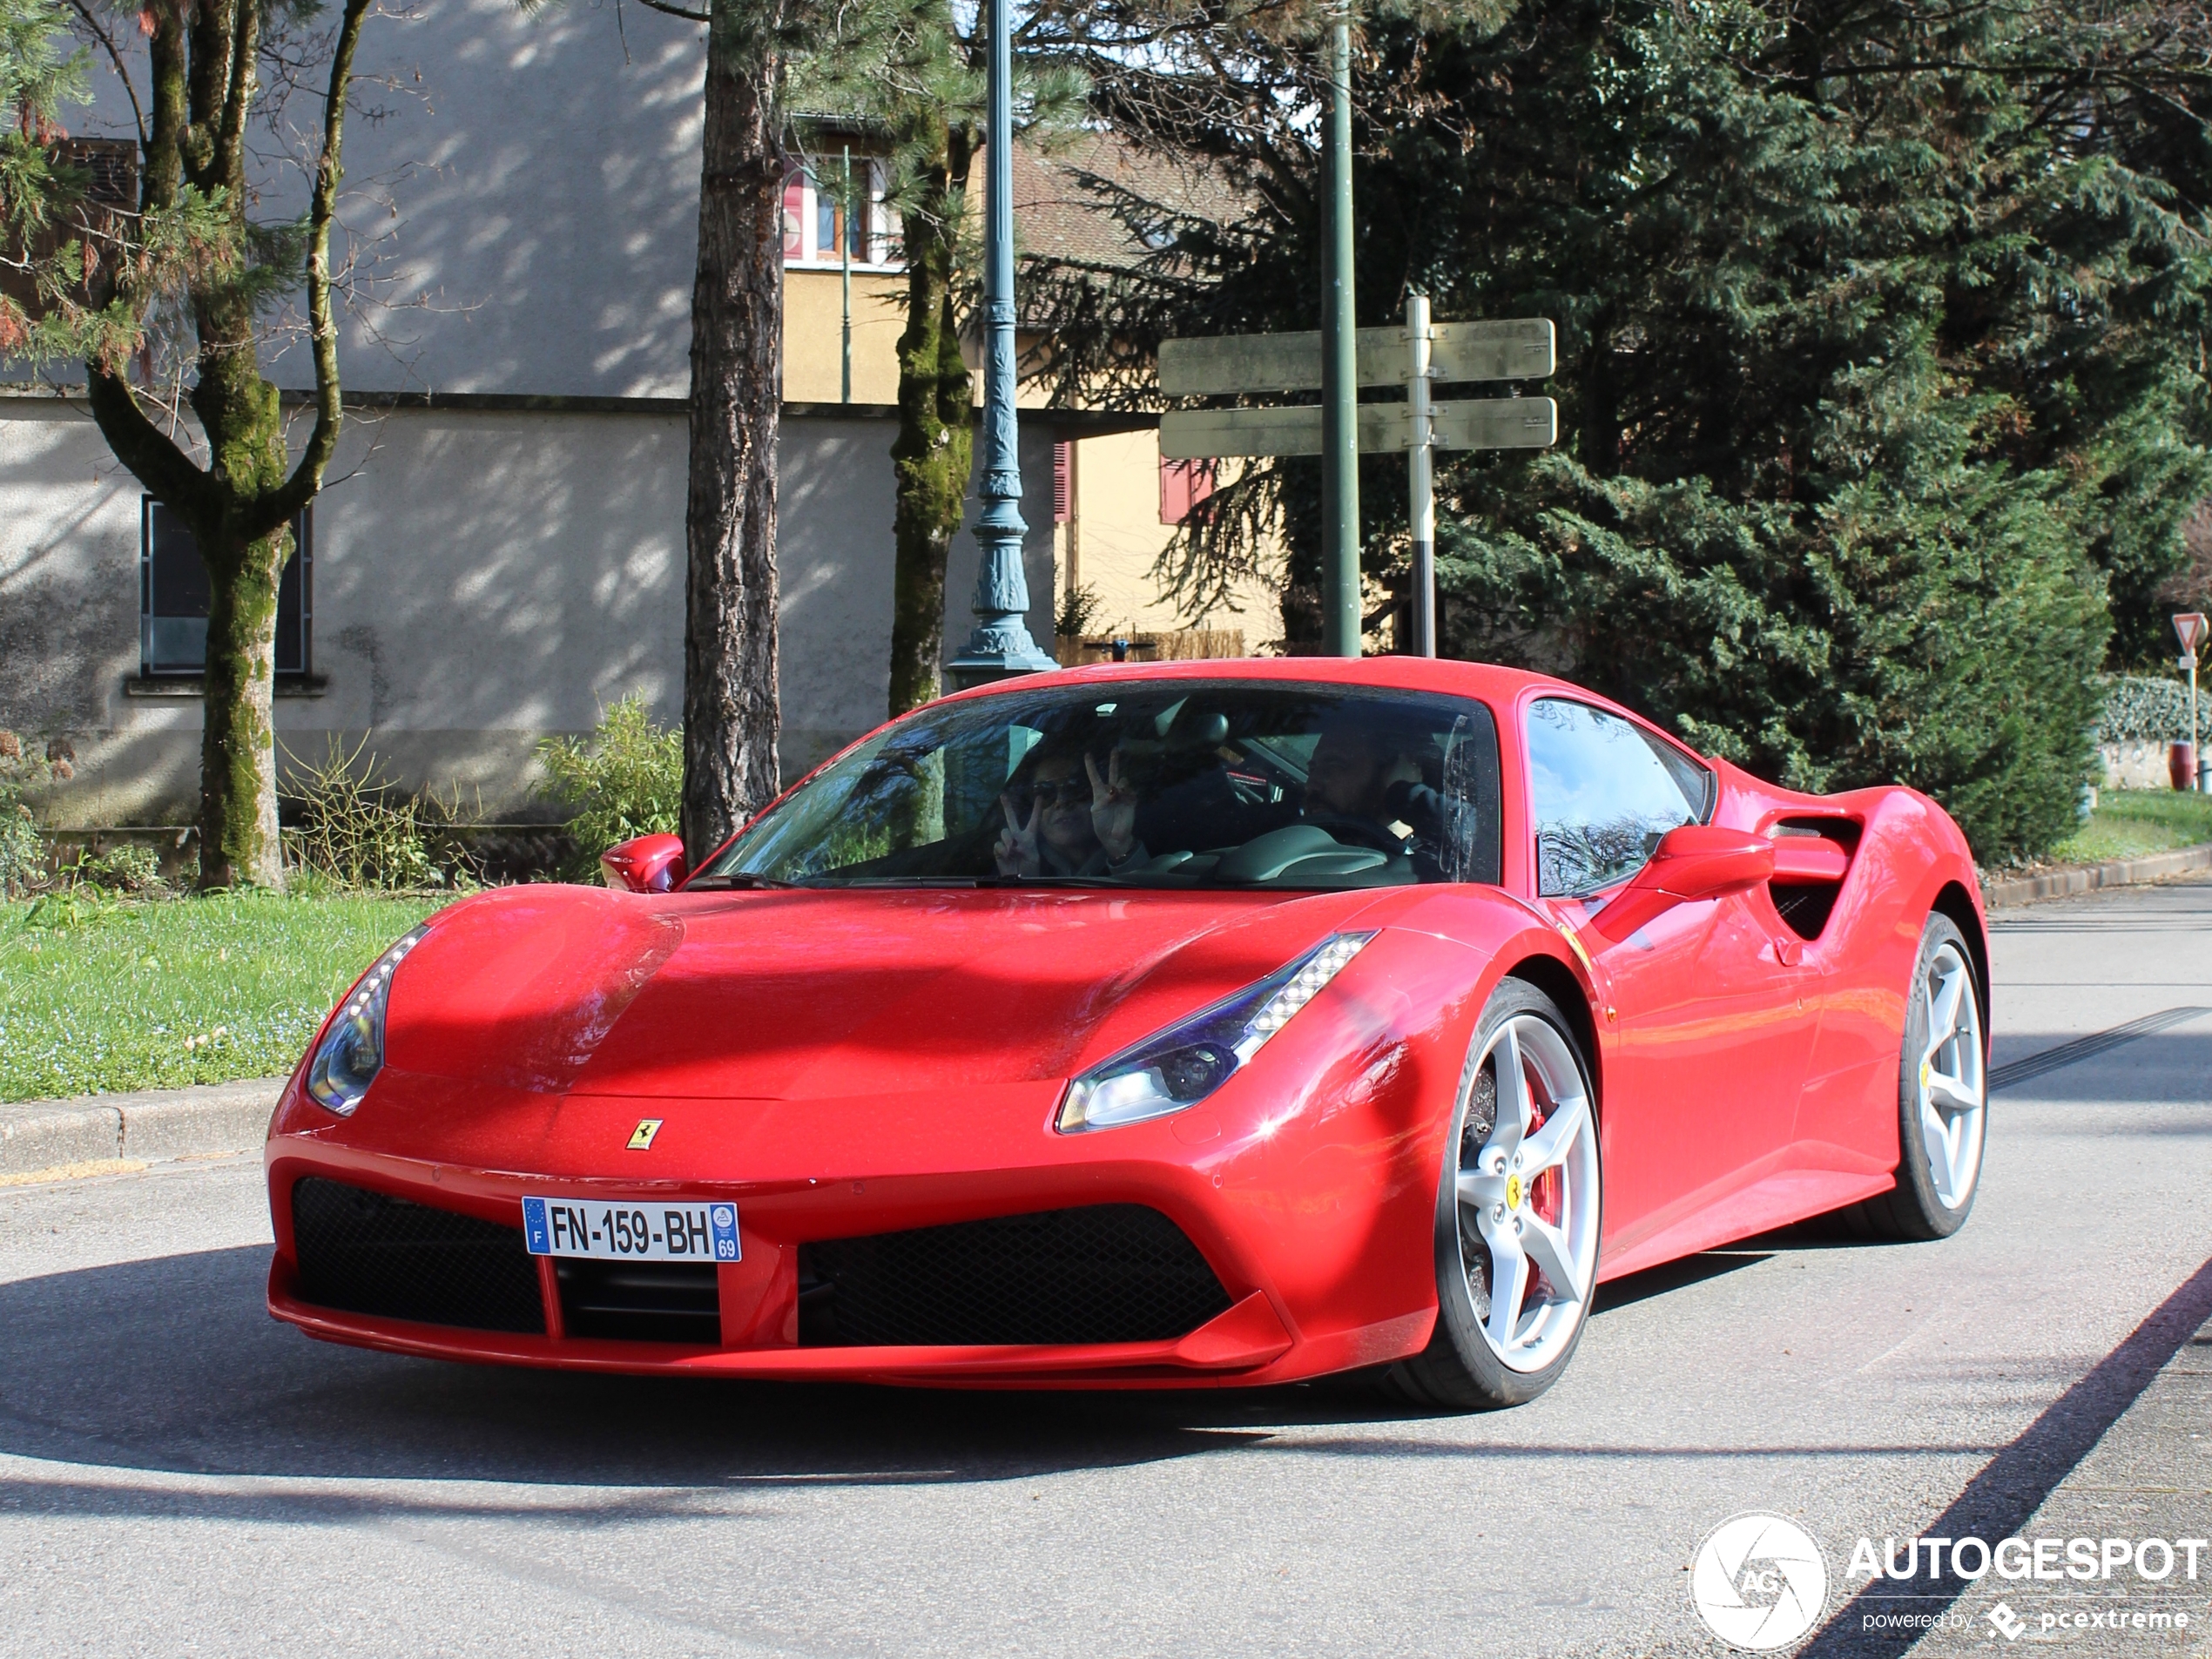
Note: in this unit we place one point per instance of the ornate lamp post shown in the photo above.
(1000, 646)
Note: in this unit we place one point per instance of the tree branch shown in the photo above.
(107, 44)
(150, 454)
(278, 508)
(675, 11)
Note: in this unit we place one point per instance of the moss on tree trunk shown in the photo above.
(935, 449)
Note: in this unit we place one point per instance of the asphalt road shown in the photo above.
(178, 1474)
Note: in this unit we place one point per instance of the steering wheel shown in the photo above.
(1354, 832)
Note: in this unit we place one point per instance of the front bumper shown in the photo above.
(1307, 1183)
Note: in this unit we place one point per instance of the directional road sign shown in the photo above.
(1519, 348)
(1481, 423)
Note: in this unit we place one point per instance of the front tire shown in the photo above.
(1943, 1096)
(1518, 1208)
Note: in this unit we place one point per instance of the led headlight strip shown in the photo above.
(1179, 1066)
(352, 1049)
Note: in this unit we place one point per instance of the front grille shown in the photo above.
(1115, 1273)
(641, 1301)
(364, 1252)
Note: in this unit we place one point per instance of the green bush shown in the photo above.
(360, 833)
(626, 781)
(127, 869)
(23, 851)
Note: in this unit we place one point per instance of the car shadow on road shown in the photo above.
(172, 1364)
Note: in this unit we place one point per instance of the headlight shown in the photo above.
(1180, 1066)
(351, 1050)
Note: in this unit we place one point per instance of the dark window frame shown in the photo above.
(302, 669)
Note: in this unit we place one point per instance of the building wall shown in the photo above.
(1113, 544)
(482, 579)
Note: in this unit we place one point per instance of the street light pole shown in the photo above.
(844, 244)
(1341, 595)
(1000, 646)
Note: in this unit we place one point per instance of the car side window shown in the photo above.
(1601, 794)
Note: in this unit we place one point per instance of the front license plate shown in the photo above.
(633, 1231)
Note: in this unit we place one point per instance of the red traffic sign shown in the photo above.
(2190, 626)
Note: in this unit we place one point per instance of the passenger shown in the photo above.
(1065, 820)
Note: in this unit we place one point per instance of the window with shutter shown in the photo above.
(1184, 486)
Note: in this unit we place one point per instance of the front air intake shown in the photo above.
(1116, 1272)
(365, 1252)
(641, 1301)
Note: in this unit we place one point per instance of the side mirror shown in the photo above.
(1699, 861)
(650, 864)
(1696, 861)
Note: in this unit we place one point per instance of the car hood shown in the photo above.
(823, 993)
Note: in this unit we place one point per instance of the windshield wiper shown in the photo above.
(736, 879)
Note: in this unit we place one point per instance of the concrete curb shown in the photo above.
(2087, 877)
(150, 1123)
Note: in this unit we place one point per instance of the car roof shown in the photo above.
(1486, 680)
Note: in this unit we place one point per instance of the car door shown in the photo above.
(1709, 1028)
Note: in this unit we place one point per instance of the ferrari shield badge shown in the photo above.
(641, 1138)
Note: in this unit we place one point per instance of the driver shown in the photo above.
(1355, 769)
(1066, 819)
(1366, 773)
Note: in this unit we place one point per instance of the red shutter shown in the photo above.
(1063, 482)
(1184, 485)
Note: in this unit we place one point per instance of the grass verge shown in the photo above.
(98, 997)
(2131, 822)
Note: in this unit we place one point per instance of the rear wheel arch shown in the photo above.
(1955, 902)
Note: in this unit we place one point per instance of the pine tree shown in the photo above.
(1881, 362)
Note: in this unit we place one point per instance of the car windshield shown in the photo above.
(1146, 784)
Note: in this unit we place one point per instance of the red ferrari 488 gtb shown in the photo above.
(1188, 1024)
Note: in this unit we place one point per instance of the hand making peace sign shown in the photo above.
(1113, 808)
(1017, 851)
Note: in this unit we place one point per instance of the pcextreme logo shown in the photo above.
(1759, 1581)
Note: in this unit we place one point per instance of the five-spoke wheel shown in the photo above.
(1943, 1096)
(1518, 1214)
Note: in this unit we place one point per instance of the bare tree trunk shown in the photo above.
(731, 718)
(935, 449)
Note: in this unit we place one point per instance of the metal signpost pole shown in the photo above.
(1000, 646)
(1340, 595)
(1421, 477)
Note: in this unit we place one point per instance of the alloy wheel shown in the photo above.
(1528, 1190)
(1954, 1092)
